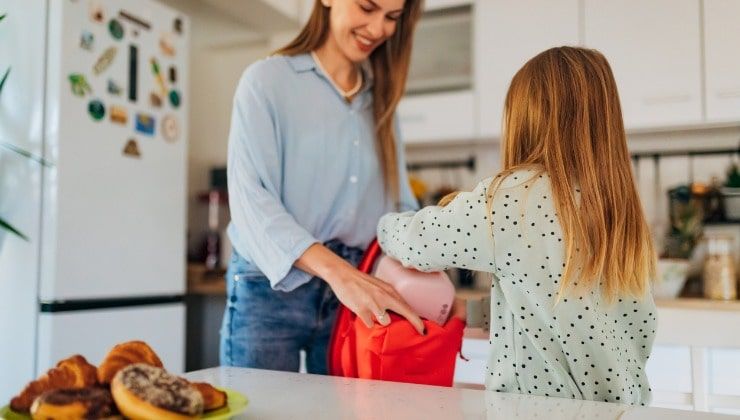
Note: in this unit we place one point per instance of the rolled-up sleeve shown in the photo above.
(267, 233)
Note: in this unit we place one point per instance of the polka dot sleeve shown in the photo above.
(436, 238)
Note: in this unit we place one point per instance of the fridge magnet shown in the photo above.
(113, 88)
(79, 84)
(155, 100)
(118, 114)
(173, 74)
(177, 26)
(133, 65)
(116, 29)
(145, 124)
(86, 40)
(165, 44)
(126, 15)
(131, 149)
(170, 128)
(158, 76)
(174, 98)
(96, 109)
(105, 60)
(97, 14)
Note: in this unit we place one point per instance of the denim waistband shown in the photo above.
(351, 254)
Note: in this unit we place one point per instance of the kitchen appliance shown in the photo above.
(99, 89)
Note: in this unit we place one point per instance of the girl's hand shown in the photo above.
(368, 297)
(459, 309)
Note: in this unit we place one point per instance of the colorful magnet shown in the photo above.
(175, 98)
(96, 12)
(131, 149)
(177, 26)
(145, 124)
(155, 100)
(173, 74)
(170, 128)
(158, 76)
(113, 88)
(118, 114)
(86, 40)
(116, 29)
(96, 109)
(105, 60)
(134, 19)
(133, 67)
(79, 84)
(166, 45)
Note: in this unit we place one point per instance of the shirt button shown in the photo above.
(353, 179)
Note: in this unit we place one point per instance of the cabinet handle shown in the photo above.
(666, 99)
(729, 93)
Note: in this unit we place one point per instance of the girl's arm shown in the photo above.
(436, 238)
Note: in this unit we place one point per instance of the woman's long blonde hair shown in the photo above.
(562, 115)
(390, 64)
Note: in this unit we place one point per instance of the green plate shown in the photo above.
(237, 404)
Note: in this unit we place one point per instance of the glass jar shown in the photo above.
(719, 268)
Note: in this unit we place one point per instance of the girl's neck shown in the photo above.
(341, 70)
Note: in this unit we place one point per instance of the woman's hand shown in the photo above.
(368, 297)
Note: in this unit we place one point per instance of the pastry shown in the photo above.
(73, 372)
(74, 403)
(142, 392)
(213, 398)
(124, 354)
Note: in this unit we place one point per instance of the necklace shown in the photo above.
(346, 94)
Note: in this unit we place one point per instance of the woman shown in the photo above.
(312, 130)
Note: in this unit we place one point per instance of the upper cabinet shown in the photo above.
(507, 34)
(655, 52)
(722, 59)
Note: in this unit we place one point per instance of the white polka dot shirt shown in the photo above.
(582, 347)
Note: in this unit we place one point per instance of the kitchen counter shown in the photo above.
(287, 395)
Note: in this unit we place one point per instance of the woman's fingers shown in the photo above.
(400, 307)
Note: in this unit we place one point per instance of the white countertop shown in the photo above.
(284, 395)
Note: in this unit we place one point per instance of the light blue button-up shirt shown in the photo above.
(302, 167)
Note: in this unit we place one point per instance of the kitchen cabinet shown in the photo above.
(507, 34)
(655, 53)
(437, 117)
(722, 61)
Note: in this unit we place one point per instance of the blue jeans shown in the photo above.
(266, 329)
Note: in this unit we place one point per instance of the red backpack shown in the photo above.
(395, 352)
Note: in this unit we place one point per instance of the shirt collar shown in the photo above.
(304, 62)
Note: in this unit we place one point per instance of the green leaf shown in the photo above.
(3, 17)
(5, 77)
(7, 226)
(26, 154)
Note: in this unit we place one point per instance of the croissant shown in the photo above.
(124, 354)
(212, 397)
(73, 372)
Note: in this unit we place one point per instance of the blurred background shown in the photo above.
(121, 198)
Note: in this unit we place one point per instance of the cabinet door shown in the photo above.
(654, 50)
(722, 61)
(507, 34)
(437, 117)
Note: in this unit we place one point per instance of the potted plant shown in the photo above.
(5, 225)
(731, 193)
(686, 214)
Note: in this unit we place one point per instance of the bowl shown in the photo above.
(672, 274)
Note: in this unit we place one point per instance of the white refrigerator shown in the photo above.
(98, 88)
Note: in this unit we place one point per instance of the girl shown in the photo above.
(313, 163)
(562, 230)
